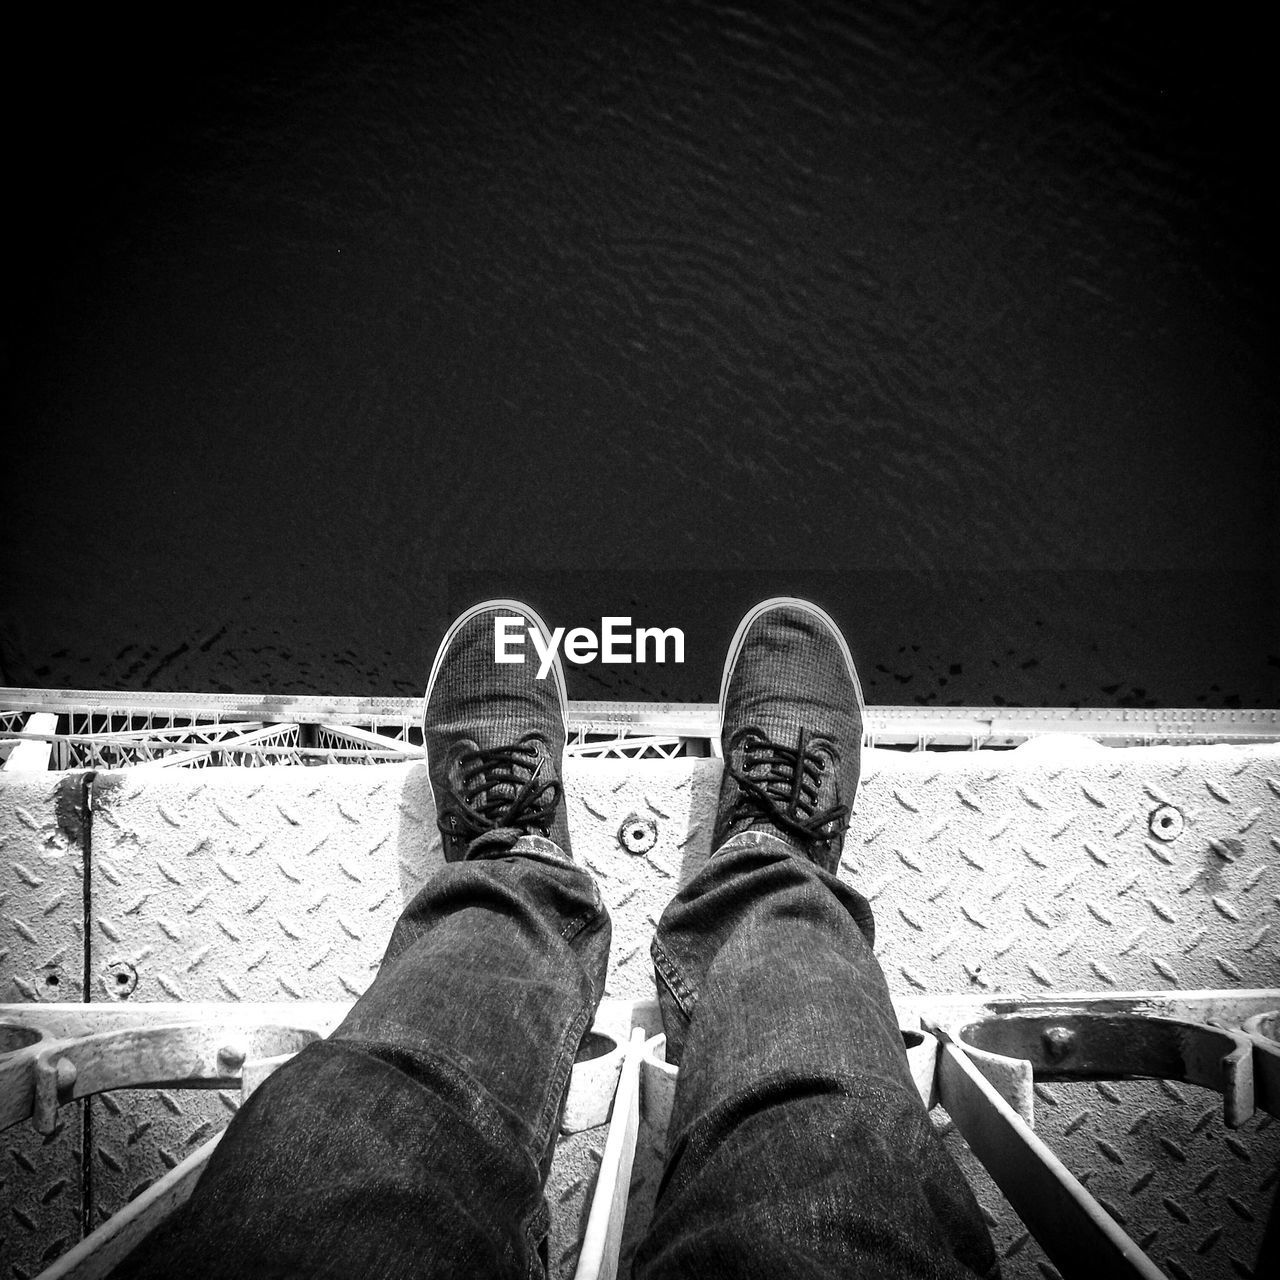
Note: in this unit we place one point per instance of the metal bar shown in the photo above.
(369, 755)
(127, 736)
(62, 1021)
(367, 738)
(627, 748)
(1224, 1007)
(311, 708)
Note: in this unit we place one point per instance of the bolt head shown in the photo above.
(1058, 1042)
(232, 1056)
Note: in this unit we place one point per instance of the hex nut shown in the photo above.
(637, 835)
(1166, 823)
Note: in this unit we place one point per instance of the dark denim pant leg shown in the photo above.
(417, 1138)
(798, 1144)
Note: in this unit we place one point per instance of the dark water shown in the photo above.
(959, 318)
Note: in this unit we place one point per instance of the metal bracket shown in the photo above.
(1013, 1050)
(183, 1055)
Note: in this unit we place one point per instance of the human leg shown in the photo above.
(416, 1139)
(798, 1144)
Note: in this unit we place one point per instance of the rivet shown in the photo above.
(637, 835)
(1166, 823)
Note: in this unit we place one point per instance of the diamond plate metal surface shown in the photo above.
(1002, 872)
(1041, 875)
(1193, 1194)
(1016, 872)
(1156, 1156)
(138, 1135)
(1020, 1255)
(646, 1177)
(604, 796)
(232, 885)
(42, 840)
(254, 885)
(1038, 872)
(41, 898)
(569, 1188)
(40, 1194)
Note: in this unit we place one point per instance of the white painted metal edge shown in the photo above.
(33, 748)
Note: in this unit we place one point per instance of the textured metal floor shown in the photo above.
(1054, 868)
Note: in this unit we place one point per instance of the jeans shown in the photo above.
(416, 1139)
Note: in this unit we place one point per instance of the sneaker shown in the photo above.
(791, 715)
(495, 737)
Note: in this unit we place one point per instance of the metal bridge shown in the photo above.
(1077, 914)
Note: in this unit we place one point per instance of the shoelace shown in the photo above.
(485, 799)
(788, 792)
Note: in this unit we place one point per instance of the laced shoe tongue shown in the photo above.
(494, 784)
(791, 778)
(499, 787)
(783, 783)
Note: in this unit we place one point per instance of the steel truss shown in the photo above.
(83, 729)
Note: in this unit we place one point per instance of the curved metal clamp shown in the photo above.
(54, 1071)
(1013, 1050)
